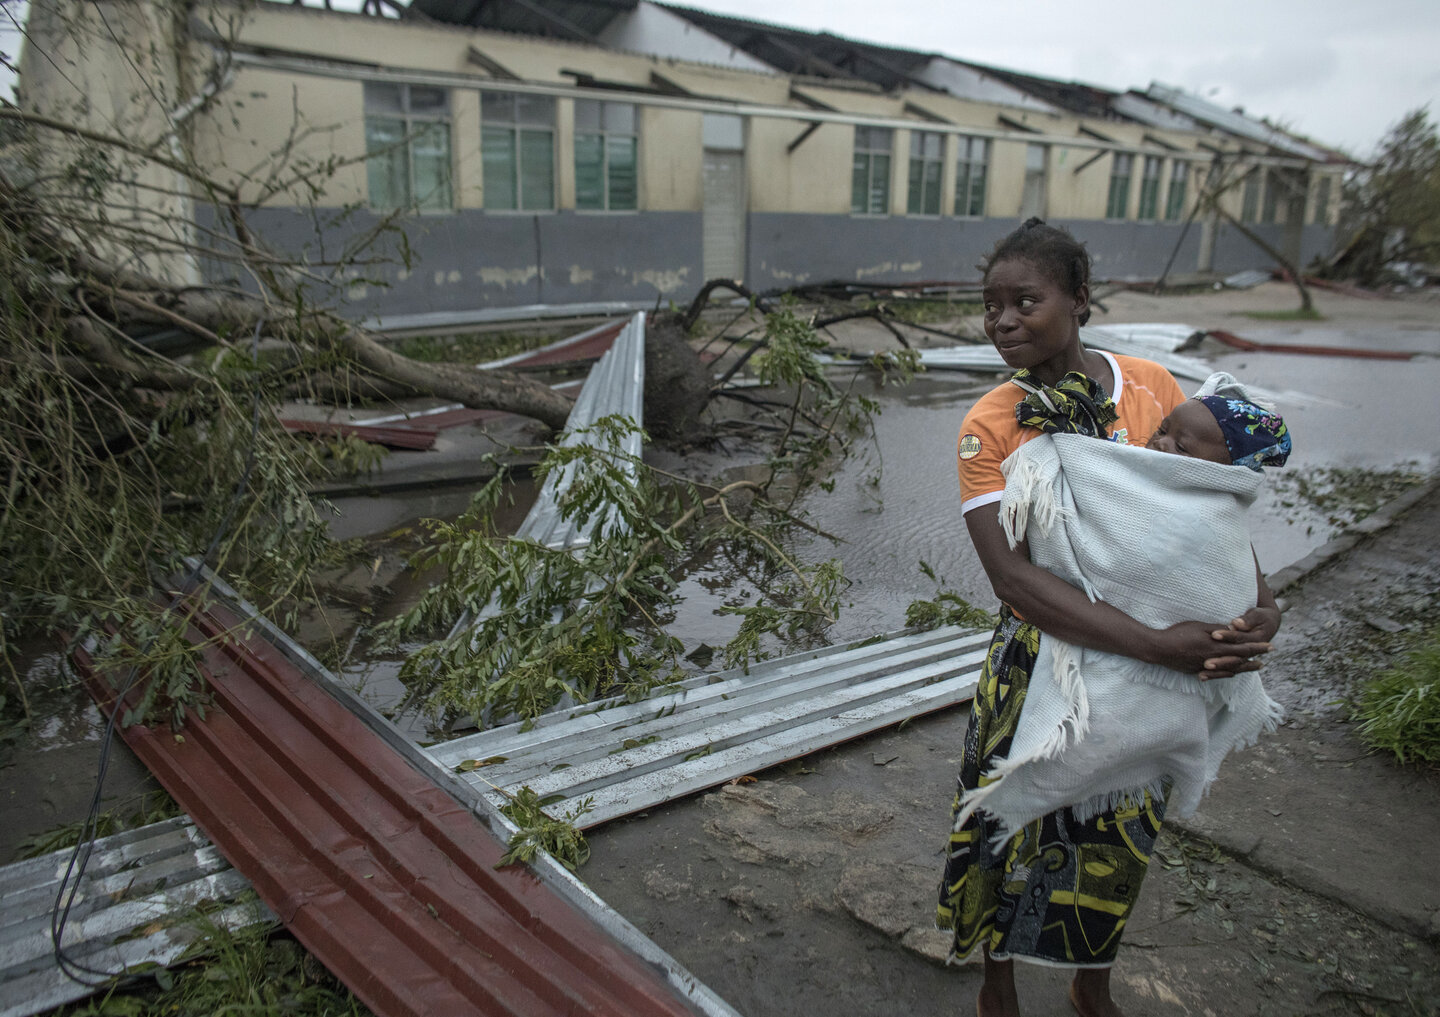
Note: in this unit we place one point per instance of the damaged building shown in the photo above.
(569, 152)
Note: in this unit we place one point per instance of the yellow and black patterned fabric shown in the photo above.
(1059, 890)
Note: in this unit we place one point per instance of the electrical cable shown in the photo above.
(65, 897)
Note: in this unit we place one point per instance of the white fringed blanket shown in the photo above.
(1164, 539)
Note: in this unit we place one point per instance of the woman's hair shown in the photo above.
(1052, 250)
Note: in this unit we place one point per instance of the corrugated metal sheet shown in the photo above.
(132, 908)
(616, 386)
(385, 877)
(626, 757)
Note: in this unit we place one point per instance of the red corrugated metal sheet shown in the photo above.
(380, 873)
(413, 439)
(588, 345)
(1232, 340)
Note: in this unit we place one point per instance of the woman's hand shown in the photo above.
(1257, 625)
(1190, 647)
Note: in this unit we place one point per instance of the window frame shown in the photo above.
(1118, 196)
(1250, 196)
(519, 131)
(606, 135)
(970, 186)
(1321, 214)
(1149, 210)
(871, 154)
(1175, 192)
(413, 127)
(923, 194)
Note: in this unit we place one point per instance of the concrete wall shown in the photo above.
(472, 259)
(786, 249)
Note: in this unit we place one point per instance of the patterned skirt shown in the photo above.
(1060, 890)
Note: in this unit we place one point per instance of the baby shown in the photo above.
(1226, 431)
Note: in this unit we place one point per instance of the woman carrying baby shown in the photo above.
(1059, 890)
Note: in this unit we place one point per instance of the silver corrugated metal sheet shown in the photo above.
(616, 386)
(1160, 337)
(133, 907)
(626, 757)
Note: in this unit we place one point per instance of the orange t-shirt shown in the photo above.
(1144, 394)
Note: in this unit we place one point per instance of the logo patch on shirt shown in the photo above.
(970, 446)
(1121, 436)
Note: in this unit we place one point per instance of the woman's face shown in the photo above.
(1030, 318)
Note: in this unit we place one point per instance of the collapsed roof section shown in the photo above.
(686, 33)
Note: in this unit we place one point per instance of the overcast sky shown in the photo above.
(1341, 71)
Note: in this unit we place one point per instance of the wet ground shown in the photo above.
(792, 895)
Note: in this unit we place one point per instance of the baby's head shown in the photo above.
(1221, 430)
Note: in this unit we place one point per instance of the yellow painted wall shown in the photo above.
(265, 111)
(671, 159)
(1006, 181)
(1078, 195)
(813, 178)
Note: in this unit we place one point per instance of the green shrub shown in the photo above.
(1399, 709)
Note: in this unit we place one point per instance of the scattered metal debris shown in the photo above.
(625, 757)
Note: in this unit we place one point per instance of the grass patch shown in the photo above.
(249, 971)
(1399, 709)
(1298, 314)
(927, 312)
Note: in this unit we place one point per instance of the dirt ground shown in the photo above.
(1304, 886)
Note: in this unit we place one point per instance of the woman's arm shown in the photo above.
(1065, 612)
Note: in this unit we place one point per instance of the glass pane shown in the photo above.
(962, 187)
(431, 157)
(859, 181)
(537, 170)
(425, 99)
(932, 146)
(497, 107)
(589, 171)
(587, 114)
(977, 190)
(916, 194)
(620, 117)
(1175, 202)
(381, 97)
(879, 184)
(1035, 158)
(387, 169)
(882, 139)
(932, 188)
(917, 144)
(535, 110)
(497, 156)
(623, 172)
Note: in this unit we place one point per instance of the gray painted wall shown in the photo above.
(1234, 253)
(471, 260)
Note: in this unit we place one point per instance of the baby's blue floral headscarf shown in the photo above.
(1255, 437)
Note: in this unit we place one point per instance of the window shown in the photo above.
(1250, 197)
(407, 146)
(517, 147)
(970, 176)
(606, 174)
(1119, 200)
(1322, 201)
(927, 159)
(1175, 197)
(870, 175)
(1270, 208)
(1150, 188)
(1032, 198)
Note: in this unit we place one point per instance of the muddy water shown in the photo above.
(896, 503)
